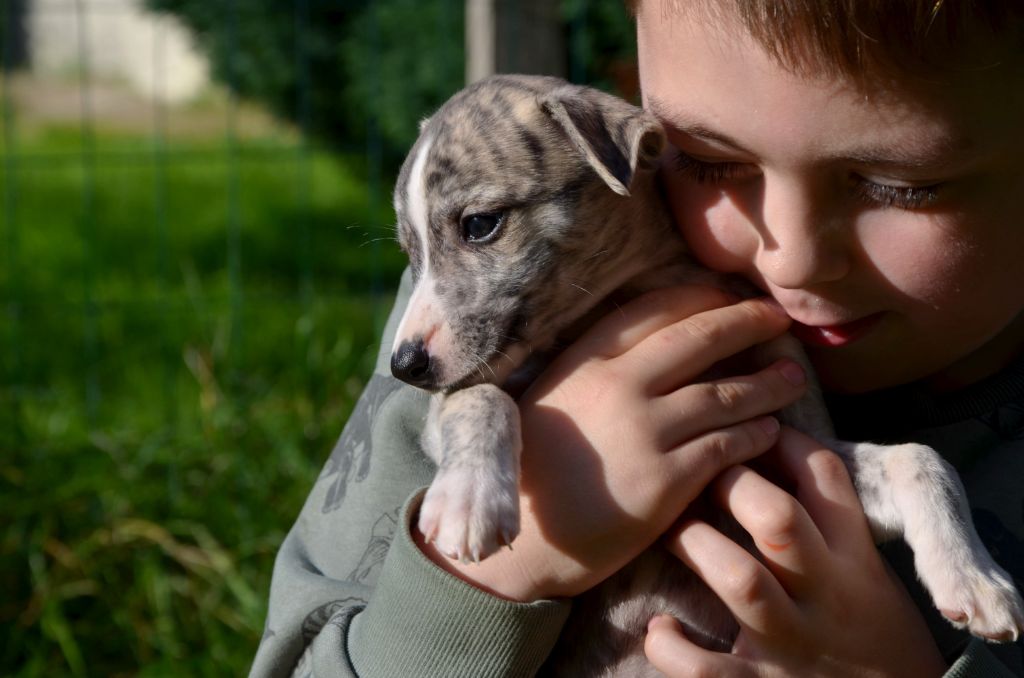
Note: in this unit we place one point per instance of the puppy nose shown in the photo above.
(411, 364)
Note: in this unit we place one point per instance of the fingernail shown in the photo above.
(774, 305)
(793, 373)
(655, 620)
(769, 425)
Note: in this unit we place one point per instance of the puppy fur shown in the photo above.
(528, 207)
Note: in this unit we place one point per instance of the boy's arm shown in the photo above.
(352, 595)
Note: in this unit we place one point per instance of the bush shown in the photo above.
(163, 412)
(360, 75)
(355, 75)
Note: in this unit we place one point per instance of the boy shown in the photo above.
(861, 165)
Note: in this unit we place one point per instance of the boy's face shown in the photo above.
(889, 224)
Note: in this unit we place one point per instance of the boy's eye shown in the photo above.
(870, 192)
(903, 197)
(704, 172)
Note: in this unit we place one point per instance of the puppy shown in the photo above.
(524, 207)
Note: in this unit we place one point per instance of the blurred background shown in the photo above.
(196, 258)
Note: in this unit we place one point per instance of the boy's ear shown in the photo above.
(614, 136)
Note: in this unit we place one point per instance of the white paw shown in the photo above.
(469, 515)
(979, 598)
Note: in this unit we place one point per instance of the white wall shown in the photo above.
(153, 53)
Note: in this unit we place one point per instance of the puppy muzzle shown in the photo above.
(412, 364)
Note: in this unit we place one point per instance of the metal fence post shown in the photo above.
(10, 193)
(90, 310)
(513, 36)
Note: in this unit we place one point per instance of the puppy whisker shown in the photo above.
(480, 361)
(373, 240)
(582, 289)
(504, 355)
(487, 365)
(375, 227)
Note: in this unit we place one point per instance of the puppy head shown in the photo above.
(510, 207)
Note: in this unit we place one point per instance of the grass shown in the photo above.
(183, 331)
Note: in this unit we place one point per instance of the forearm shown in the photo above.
(425, 621)
(328, 566)
(350, 593)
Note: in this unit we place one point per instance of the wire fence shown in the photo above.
(192, 290)
(191, 294)
(83, 300)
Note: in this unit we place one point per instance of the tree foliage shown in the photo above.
(350, 73)
(361, 73)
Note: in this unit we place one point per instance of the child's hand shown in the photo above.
(823, 603)
(618, 441)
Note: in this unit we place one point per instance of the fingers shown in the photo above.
(747, 588)
(824, 489)
(677, 353)
(675, 655)
(705, 406)
(796, 536)
(792, 547)
(699, 460)
(623, 329)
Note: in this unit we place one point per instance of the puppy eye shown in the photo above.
(481, 228)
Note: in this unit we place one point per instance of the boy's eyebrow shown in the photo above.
(939, 152)
(665, 114)
(935, 152)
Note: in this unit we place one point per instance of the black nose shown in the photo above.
(411, 364)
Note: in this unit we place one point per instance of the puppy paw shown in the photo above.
(469, 516)
(979, 598)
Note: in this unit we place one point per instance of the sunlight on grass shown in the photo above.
(185, 329)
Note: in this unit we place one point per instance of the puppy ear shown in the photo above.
(614, 136)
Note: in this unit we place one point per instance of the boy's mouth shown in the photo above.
(832, 336)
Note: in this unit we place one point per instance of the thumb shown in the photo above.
(675, 655)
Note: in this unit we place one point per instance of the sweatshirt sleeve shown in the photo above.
(351, 595)
(423, 621)
(978, 661)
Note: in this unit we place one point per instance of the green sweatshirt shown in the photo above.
(352, 595)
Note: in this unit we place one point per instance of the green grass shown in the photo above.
(182, 336)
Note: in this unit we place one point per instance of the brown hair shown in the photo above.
(860, 37)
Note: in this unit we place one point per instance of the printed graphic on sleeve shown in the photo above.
(319, 617)
(350, 460)
(268, 632)
(380, 540)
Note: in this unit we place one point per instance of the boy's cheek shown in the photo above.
(719, 234)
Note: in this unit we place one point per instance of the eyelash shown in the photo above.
(869, 192)
(903, 197)
(706, 172)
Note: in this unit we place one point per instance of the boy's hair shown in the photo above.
(860, 38)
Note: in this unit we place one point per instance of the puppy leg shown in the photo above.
(808, 414)
(910, 490)
(472, 506)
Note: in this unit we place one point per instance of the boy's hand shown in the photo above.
(823, 603)
(617, 439)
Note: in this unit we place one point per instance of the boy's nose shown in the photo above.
(803, 242)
